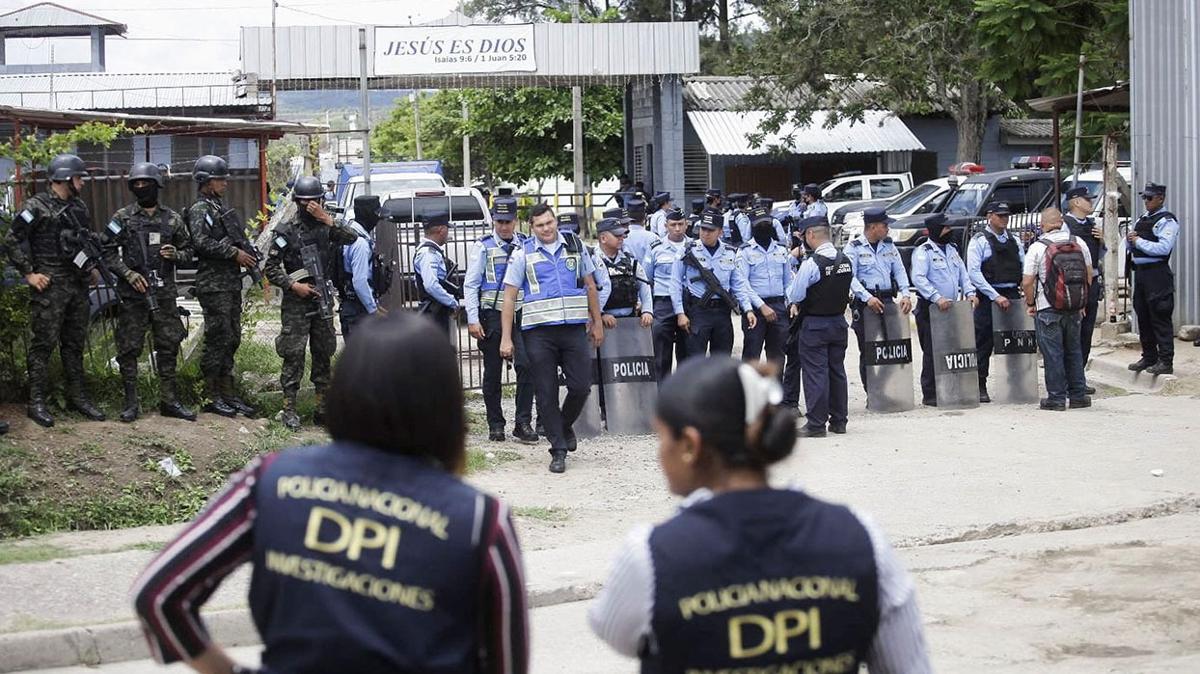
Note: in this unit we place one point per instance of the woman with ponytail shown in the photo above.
(746, 577)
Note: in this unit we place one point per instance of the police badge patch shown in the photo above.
(571, 263)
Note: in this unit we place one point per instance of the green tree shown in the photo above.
(849, 57)
(516, 134)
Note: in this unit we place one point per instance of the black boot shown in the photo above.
(558, 461)
(319, 410)
(1163, 366)
(175, 410)
(216, 404)
(289, 417)
(3, 427)
(81, 404)
(131, 411)
(496, 434)
(524, 433)
(38, 412)
(1142, 364)
(983, 393)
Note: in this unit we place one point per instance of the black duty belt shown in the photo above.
(711, 303)
(662, 298)
(1151, 265)
(777, 299)
(882, 294)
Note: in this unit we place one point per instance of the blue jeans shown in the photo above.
(1062, 355)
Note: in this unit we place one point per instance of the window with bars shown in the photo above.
(639, 162)
(695, 169)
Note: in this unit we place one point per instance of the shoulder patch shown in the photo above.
(656, 243)
(487, 237)
(280, 242)
(856, 242)
(27, 216)
(114, 227)
(887, 239)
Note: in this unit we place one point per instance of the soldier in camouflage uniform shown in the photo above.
(145, 242)
(40, 246)
(214, 230)
(301, 319)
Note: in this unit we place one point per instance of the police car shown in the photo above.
(923, 199)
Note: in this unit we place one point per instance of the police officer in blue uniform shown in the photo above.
(811, 202)
(705, 285)
(561, 311)
(736, 227)
(357, 291)
(821, 289)
(660, 264)
(767, 265)
(1078, 219)
(879, 276)
(767, 205)
(435, 288)
(994, 262)
(747, 578)
(483, 295)
(663, 204)
(423, 575)
(1150, 243)
(625, 289)
(940, 277)
(634, 218)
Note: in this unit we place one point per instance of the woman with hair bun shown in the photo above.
(746, 577)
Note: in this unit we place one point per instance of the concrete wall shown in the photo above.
(655, 133)
(939, 135)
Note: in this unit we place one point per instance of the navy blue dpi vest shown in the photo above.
(365, 562)
(759, 578)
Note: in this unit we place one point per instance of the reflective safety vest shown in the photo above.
(555, 293)
(496, 252)
(762, 581)
(366, 561)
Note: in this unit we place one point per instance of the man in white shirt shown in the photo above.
(1057, 271)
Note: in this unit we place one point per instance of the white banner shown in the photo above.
(436, 50)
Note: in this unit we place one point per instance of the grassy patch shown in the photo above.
(542, 513)
(24, 554)
(479, 460)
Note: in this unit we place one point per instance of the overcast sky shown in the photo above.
(202, 35)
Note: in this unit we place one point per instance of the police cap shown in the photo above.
(612, 226)
(618, 214)
(1076, 192)
(999, 208)
(569, 222)
(635, 207)
(1154, 190)
(661, 198)
(761, 214)
(934, 224)
(738, 197)
(697, 205)
(436, 220)
(765, 202)
(876, 214)
(812, 190)
(712, 193)
(711, 219)
(812, 221)
(504, 209)
(674, 215)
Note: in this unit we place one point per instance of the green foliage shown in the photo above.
(279, 159)
(37, 150)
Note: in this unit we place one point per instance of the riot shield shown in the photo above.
(1014, 360)
(887, 355)
(955, 361)
(627, 378)
(588, 423)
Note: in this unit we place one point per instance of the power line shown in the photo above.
(181, 39)
(319, 16)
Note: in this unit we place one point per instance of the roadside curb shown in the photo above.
(119, 642)
(1114, 373)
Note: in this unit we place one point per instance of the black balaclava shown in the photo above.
(763, 233)
(147, 195)
(302, 211)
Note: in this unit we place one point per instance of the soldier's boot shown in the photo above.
(37, 411)
(80, 402)
(289, 417)
(216, 404)
(169, 405)
(232, 400)
(319, 410)
(3, 427)
(132, 410)
(1163, 366)
(1141, 364)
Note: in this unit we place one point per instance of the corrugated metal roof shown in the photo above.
(725, 132)
(1165, 95)
(48, 18)
(164, 124)
(120, 91)
(1027, 128)
(728, 93)
(563, 53)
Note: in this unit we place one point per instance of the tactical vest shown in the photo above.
(292, 237)
(422, 292)
(556, 292)
(830, 295)
(767, 580)
(365, 561)
(141, 237)
(47, 218)
(1083, 230)
(496, 253)
(623, 276)
(1145, 229)
(1004, 266)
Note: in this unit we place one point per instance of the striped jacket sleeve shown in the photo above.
(169, 593)
(504, 615)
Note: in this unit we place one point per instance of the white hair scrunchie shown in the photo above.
(759, 391)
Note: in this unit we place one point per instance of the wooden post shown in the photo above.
(1112, 237)
(263, 194)
(1057, 169)
(18, 187)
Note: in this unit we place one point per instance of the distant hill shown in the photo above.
(302, 106)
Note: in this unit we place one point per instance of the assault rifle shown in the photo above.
(235, 235)
(712, 285)
(85, 249)
(311, 255)
(153, 279)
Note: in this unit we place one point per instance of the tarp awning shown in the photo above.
(727, 132)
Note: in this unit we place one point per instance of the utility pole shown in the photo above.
(1112, 237)
(1078, 122)
(365, 105)
(466, 147)
(416, 101)
(274, 71)
(577, 142)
